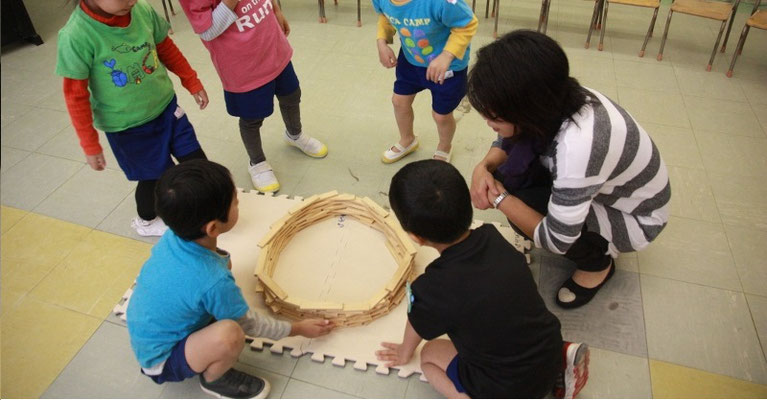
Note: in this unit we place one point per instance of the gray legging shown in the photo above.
(250, 129)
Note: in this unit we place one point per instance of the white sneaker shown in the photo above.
(309, 145)
(155, 227)
(263, 177)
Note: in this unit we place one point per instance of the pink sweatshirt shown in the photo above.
(252, 51)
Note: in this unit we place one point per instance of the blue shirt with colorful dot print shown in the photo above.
(424, 27)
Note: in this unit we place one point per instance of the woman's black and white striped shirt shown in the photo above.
(608, 174)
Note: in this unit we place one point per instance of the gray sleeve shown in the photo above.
(257, 325)
(223, 16)
(497, 142)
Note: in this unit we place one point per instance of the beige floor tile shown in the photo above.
(34, 129)
(754, 90)
(750, 254)
(691, 195)
(11, 157)
(733, 155)
(34, 178)
(701, 327)
(615, 375)
(678, 146)
(655, 107)
(94, 275)
(691, 251)
(711, 85)
(66, 145)
(722, 116)
(11, 111)
(740, 201)
(758, 306)
(39, 339)
(9, 216)
(761, 113)
(88, 197)
(675, 381)
(636, 75)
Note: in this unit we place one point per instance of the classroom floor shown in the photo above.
(685, 318)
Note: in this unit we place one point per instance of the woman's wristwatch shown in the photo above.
(499, 199)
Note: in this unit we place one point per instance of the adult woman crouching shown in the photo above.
(570, 169)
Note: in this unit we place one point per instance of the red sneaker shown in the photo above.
(575, 370)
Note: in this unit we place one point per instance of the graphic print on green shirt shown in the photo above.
(129, 85)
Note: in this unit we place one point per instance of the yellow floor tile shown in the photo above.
(31, 248)
(9, 216)
(95, 274)
(675, 381)
(38, 340)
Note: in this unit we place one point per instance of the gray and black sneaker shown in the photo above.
(236, 385)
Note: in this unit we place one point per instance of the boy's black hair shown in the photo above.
(193, 193)
(430, 198)
(524, 78)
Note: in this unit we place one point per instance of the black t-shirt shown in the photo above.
(482, 294)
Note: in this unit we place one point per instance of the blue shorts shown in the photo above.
(452, 373)
(259, 103)
(143, 152)
(176, 368)
(444, 98)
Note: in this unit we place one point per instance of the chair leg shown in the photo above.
(716, 45)
(604, 25)
(599, 15)
(172, 11)
(473, 5)
(321, 4)
(649, 32)
(729, 28)
(541, 16)
(167, 18)
(497, 11)
(359, 14)
(487, 8)
(593, 23)
(546, 20)
(738, 49)
(665, 34)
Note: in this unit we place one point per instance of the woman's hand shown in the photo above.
(483, 187)
(491, 194)
(394, 354)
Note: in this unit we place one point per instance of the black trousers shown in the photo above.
(589, 252)
(145, 190)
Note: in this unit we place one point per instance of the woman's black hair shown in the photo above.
(524, 78)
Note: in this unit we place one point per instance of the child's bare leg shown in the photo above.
(403, 113)
(213, 350)
(435, 357)
(446, 130)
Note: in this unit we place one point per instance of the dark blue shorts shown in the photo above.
(452, 373)
(444, 98)
(176, 368)
(259, 103)
(143, 152)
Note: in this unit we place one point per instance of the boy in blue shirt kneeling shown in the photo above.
(186, 315)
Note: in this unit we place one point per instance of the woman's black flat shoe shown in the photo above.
(581, 295)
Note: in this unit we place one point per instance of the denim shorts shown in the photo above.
(445, 98)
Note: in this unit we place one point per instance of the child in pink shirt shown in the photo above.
(248, 44)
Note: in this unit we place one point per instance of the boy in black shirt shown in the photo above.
(480, 292)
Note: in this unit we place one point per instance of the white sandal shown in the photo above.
(444, 156)
(389, 156)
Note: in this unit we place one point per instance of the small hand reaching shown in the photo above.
(438, 66)
(394, 354)
(312, 328)
(386, 55)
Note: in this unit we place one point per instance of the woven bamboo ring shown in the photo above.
(318, 208)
